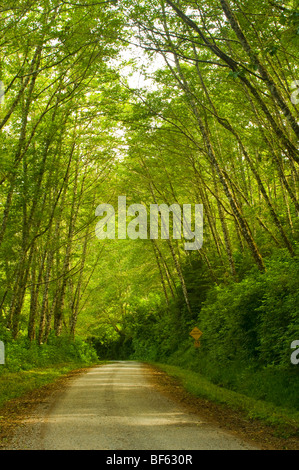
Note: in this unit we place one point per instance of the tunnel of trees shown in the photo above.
(187, 102)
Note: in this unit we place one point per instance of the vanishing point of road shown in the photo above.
(116, 407)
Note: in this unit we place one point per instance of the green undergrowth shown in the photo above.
(29, 366)
(285, 420)
(16, 384)
(247, 328)
(21, 354)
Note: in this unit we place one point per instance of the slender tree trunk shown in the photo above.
(161, 272)
(58, 313)
(261, 68)
(246, 233)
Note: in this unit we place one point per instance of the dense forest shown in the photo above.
(185, 102)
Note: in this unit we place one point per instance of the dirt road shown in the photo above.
(117, 407)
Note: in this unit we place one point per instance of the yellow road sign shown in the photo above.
(197, 343)
(196, 333)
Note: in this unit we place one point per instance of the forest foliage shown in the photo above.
(190, 102)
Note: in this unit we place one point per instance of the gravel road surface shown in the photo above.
(117, 407)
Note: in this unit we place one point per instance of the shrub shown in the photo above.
(23, 355)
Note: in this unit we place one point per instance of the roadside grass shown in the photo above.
(16, 384)
(30, 366)
(285, 421)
